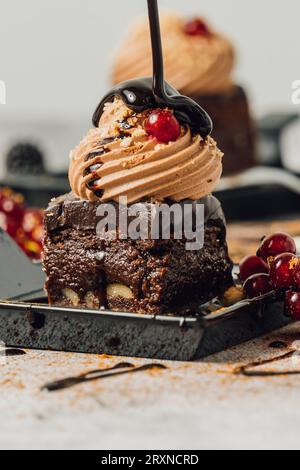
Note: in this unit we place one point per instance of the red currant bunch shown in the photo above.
(11, 211)
(276, 267)
(23, 224)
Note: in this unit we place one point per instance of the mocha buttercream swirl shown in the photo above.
(107, 165)
(194, 65)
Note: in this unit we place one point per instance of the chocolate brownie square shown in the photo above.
(141, 276)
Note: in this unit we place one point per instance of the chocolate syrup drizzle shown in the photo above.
(119, 369)
(155, 92)
(248, 370)
(10, 352)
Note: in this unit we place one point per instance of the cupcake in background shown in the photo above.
(199, 63)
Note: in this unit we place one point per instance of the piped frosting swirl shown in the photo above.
(119, 159)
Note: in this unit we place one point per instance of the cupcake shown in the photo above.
(199, 63)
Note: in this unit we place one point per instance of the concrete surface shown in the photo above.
(201, 405)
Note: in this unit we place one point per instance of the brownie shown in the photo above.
(142, 276)
(233, 128)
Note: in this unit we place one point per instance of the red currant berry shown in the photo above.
(297, 274)
(252, 265)
(33, 224)
(292, 301)
(9, 224)
(196, 27)
(282, 271)
(163, 125)
(275, 245)
(11, 208)
(258, 285)
(31, 248)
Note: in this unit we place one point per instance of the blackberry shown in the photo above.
(25, 159)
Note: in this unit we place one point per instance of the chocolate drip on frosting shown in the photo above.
(150, 93)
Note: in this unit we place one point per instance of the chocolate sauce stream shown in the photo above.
(157, 53)
(154, 92)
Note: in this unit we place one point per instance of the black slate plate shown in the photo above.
(38, 326)
(26, 324)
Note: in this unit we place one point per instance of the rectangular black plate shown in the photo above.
(26, 324)
(38, 326)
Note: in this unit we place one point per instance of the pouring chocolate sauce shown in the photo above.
(155, 92)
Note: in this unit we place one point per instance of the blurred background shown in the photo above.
(56, 58)
(55, 54)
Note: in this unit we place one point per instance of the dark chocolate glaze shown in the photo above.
(155, 92)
